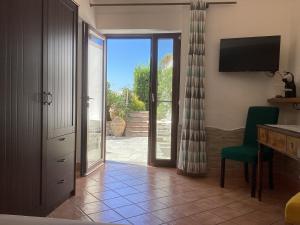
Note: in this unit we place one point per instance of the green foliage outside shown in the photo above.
(128, 100)
(122, 102)
(164, 88)
(141, 83)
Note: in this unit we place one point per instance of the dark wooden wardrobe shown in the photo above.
(37, 104)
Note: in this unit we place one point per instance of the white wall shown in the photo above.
(228, 95)
(86, 12)
(295, 48)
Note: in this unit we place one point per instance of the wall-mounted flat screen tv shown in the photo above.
(250, 54)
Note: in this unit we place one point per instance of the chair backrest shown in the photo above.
(258, 115)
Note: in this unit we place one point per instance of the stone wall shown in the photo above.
(218, 139)
(286, 170)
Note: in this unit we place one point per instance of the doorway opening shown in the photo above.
(130, 112)
(127, 94)
(142, 98)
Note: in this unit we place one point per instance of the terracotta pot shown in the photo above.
(118, 126)
(112, 112)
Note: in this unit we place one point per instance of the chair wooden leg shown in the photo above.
(253, 185)
(271, 182)
(222, 181)
(246, 171)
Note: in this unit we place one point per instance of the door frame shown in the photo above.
(152, 161)
(84, 170)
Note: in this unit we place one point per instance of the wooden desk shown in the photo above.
(282, 138)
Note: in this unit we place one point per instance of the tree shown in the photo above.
(141, 84)
(164, 87)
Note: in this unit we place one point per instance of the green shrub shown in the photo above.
(136, 104)
(141, 83)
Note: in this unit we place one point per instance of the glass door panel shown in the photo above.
(164, 98)
(95, 104)
(93, 99)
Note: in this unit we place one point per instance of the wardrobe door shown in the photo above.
(20, 106)
(60, 39)
(61, 34)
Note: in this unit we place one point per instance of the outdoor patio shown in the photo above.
(133, 150)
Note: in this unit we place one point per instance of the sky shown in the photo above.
(123, 55)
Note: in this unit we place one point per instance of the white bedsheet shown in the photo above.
(26, 220)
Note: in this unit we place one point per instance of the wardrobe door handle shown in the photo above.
(46, 96)
(62, 139)
(61, 181)
(51, 98)
(61, 160)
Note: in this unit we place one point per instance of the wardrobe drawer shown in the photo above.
(60, 146)
(56, 168)
(59, 190)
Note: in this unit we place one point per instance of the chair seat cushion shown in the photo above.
(292, 210)
(245, 153)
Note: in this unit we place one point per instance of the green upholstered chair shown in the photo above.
(248, 151)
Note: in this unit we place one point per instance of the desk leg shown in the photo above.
(260, 170)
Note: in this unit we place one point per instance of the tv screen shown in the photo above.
(250, 54)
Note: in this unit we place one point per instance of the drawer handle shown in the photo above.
(61, 160)
(61, 181)
(62, 139)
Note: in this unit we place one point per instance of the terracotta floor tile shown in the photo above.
(134, 194)
(188, 209)
(96, 188)
(144, 187)
(280, 222)
(134, 182)
(256, 218)
(151, 205)
(184, 221)
(123, 222)
(94, 207)
(228, 223)
(145, 219)
(115, 185)
(83, 199)
(207, 218)
(227, 213)
(68, 213)
(172, 200)
(139, 197)
(106, 179)
(106, 195)
(117, 202)
(168, 214)
(86, 182)
(241, 207)
(108, 216)
(126, 191)
(130, 211)
(205, 204)
(125, 177)
(156, 193)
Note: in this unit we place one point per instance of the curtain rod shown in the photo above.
(159, 4)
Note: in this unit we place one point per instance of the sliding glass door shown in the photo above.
(164, 99)
(93, 100)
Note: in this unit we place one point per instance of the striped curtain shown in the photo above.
(192, 155)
